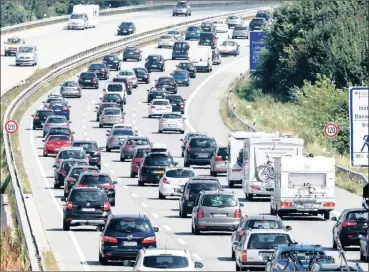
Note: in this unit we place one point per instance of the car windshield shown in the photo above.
(222, 151)
(180, 74)
(153, 58)
(137, 142)
(53, 99)
(174, 98)
(166, 37)
(158, 160)
(302, 255)
(78, 171)
(129, 225)
(112, 112)
(44, 114)
(96, 66)
(181, 5)
(14, 40)
(229, 43)
(165, 262)
(70, 84)
(115, 87)
(90, 196)
(358, 216)
(122, 132)
(68, 165)
(180, 173)
(240, 28)
(140, 71)
(140, 153)
(58, 138)
(95, 179)
(193, 28)
(111, 97)
(267, 240)
(87, 75)
(24, 49)
(59, 130)
(124, 24)
(130, 49)
(76, 16)
(71, 154)
(160, 103)
(125, 73)
(258, 20)
(109, 58)
(56, 120)
(202, 143)
(164, 80)
(219, 201)
(195, 188)
(86, 146)
(185, 65)
(172, 116)
(265, 224)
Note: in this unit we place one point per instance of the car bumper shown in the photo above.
(151, 178)
(252, 264)
(110, 122)
(199, 161)
(76, 27)
(166, 44)
(144, 79)
(88, 84)
(178, 109)
(115, 145)
(133, 56)
(25, 62)
(226, 226)
(113, 66)
(125, 32)
(172, 127)
(11, 51)
(159, 113)
(95, 160)
(171, 190)
(182, 82)
(180, 12)
(156, 67)
(52, 151)
(227, 53)
(349, 241)
(220, 169)
(202, 68)
(70, 93)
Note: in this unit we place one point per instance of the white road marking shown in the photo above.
(144, 205)
(134, 195)
(58, 208)
(155, 215)
(83, 127)
(85, 114)
(197, 257)
(136, 128)
(112, 171)
(93, 102)
(88, 108)
(125, 187)
(85, 133)
(139, 102)
(106, 165)
(88, 139)
(167, 227)
(181, 241)
(135, 109)
(133, 115)
(83, 121)
(133, 121)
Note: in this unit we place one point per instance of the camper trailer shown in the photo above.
(84, 16)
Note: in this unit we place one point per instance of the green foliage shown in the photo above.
(12, 13)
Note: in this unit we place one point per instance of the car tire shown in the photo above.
(182, 154)
(196, 231)
(140, 183)
(212, 173)
(186, 164)
(150, 115)
(112, 203)
(188, 84)
(233, 255)
(238, 268)
(96, 86)
(124, 59)
(102, 260)
(182, 214)
(122, 159)
(132, 175)
(108, 149)
(161, 196)
(56, 186)
(44, 154)
(66, 226)
(163, 69)
(65, 193)
(100, 126)
(334, 244)
(230, 184)
(326, 215)
(182, 131)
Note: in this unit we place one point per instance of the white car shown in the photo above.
(158, 259)
(173, 181)
(220, 27)
(129, 74)
(116, 87)
(229, 48)
(159, 106)
(171, 122)
(166, 41)
(176, 34)
(233, 20)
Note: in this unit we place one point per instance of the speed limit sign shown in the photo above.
(11, 126)
(331, 130)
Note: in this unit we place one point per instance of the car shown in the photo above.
(129, 74)
(100, 69)
(218, 162)
(181, 77)
(126, 28)
(137, 158)
(349, 225)
(181, 50)
(124, 236)
(177, 102)
(132, 53)
(199, 151)
(187, 138)
(70, 89)
(125, 126)
(87, 79)
(220, 27)
(364, 246)
(217, 58)
(233, 20)
(175, 259)
(171, 122)
(256, 23)
(116, 137)
(111, 116)
(257, 245)
(182, 8)
(115, 98)
(131, 144)
(263, 14)
(229, 48)
(57, 130)
(215, 211)
(207, 27)
(12, 44)
(168, 83)
(192, 33)
(156, 93)
(104, 105)
(337, 267)
(240, 31)
(73, 176)
(92, 150)
(173, 181)
(142, 74)
(158, 107)
(86, 206)
(126, 81)
(53, 121)
(188, 66)
(256, 222)
(176, 34)
(155, 62)
(53, 144)
(158, 147)
(112, 62)
(60, 109)
(65, 153)
(63, 168)
(26, 55)
(153, 167)
(39, 118)
(192, 188)
(166, 41)
(53, 98)
(208, 39)
(115, 87)
(99, 180)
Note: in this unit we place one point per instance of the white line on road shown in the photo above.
(155, 215)
(106, 165)
(134, 195)
(135, 109)
(133, 121)
(112, 171)
(88, 108)
(167, 227)
(197, 257)
(83, 127)
(144, 205)
(133, 115)
(139, 102)
(85, 133)
(136, 128)
(85, 114)
(93, 101)
(181, 241)
(125, 187)
(83, 121)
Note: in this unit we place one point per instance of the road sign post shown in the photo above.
(359, 126)
(256, 46)
(331, 131)
(11, 126)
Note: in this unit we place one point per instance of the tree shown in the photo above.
(12, 13)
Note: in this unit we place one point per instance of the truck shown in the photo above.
(12, 44)
(258, 157)
(202, 58)
(303, 185)
(84, 16)
(235, 154)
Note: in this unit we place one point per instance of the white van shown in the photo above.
(202, 58)
(84, 16)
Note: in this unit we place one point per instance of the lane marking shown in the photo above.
(83, 121)
(133, 121)
(197, 257)
(181, 241)
(112, 171)
(125, 187)
(93, 101)
(85, 133)
(134, 195)
(139, 102)
(155, 215)
(106, 165)
(167, 227)
(144, 205)
(88, 108)
(85, 114)
(135, 109)
(83, 127)
(133, 115)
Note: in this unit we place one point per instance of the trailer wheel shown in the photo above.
(326, 215)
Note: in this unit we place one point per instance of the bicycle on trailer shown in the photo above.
(265, 172)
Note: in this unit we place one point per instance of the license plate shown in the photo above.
(129, 243)
(57, 110)
(110, 199)
(266, 254)
(219, 215)
(154, 65)
(121, 139)
(172, 125)
(179, 81)
(158, 172)
(88, 209)
(87, 80)
(158, 96)
(202, 155)
(131, 53)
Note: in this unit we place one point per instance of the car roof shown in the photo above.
(57, 116)
(160, 99)
(202, 137)
(100, 174)
(122, 129)
(89, 189)
(125, 70)
(85, 166)
(282, 231)
(162, 251)
(218, 192)
(180, 168)
(135, 216)
(264, 217)
(85, 142)
(301, 247)
(199, 180)
(71, 148)
(71, 159)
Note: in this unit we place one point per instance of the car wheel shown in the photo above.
(182, 154)
(233, 255)
(160, 131)
(230, 184)
(56, 185)
(102, 260)
(96, 86)
(124, 59)
(108, 149)
(196, 231)
(140, 183)
(186, 164)
(214, 174)
(326, 215)
(100, 126)
(182, 131)
(65, 193)
(238, 268)
(66, 225)
(99, 166)
(122, 159)
(334, 244)
(132, 175)
(45, 154)
(161, 196)
(150, 115)
(112, 203)
(182, 214)
(163, 70)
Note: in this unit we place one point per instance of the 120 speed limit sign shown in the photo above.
(331, 130)
(11, 126)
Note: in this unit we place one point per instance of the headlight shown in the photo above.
(130, 29)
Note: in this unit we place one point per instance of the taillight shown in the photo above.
(82, 185)
(128, 147)
(188, 148)
(71, 179)
(111, 139)
(65, 108)
(286, 204)
(103, 70)
(110, 240)
(97, 153)
(94, 80)
(237, 213)
(244, 256)
(47, 125)
(200, 213)
(218, 158)
(102, 118)
(58, 161)
(108, 186)
(345, 224)
(118, 101)
(181, 104)
(36, 118)
(241, 232)
(69, 205)
(62, 172)
(153, 107)
(149, 240)
(106, 206)
(329, 204)
(187, 196)
(172, 84)
(165, 181)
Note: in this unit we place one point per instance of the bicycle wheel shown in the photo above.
(263, 172)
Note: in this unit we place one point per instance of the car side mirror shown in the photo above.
(114, 182)
(242, 205)
(32, 115)
(288, 228)
(148, 90)
(198, 265)
(100, 98)
(107, 134)
(181, 140)
(156, 229)
(69, 106)
(69, 122)
(54, 166)
(43, 140)
(97, 107)
(73, 132)
(334, 218)
(64, 199)
(77, 76)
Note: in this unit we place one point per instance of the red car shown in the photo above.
(53, 143)
(137, 159)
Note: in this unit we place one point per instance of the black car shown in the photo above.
(124, 236)
(126, 82)
(86, 206)
(73, 176)
(112, 62)
(180, 50)
(104, 105)
(132, 52)
(199, 151)
(155, 62)
(40, 117)
(126, 28)
(87, 79)
(168, 83)
(100, 69)
(142, 74)
(92, 150)
(208, 27)
(62, 171)
(156, 93)
(263, 14)
(187, 138)
(177, 102)
(112, 97)
(349, 225)
(153, 167)
(256, 24)
(208, 39)
(60, 131)
(188, 67)
(100, 180)
(192, 188)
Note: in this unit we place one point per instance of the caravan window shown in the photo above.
(240, 158)
(303, 179)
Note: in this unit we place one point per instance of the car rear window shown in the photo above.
(140, 71)
(265, 224)
(240, 28)
(58, 138)
(165, 262)
(303, 256)
(129, 225)
(151, 58)
(158, 160)
(61, 130)
(78, 171)
(180, 173)
(70, 84)
(126, 25)
(88, 75)
(164, 80)
(219, 201)
(141, 153)
(68, 165)
(175, 98)
(160, 103)
(57, 120)
(97, 66)
(126, 73)
(222, 151)
(358, 216)
(58, 105)
(202, 143)
(172, 116)
(180, 74)
(107, 58)
(166, 37)
(90, 196)
(115, 87)
(122, 132)
(258, 20)
(232, 17)
(86, 146)
(138, 142)
(119, 79)
(111, 97)
(112, 112)
(95, 179)
(267, 240)
(181, 45)
(58, 99)
(71, 154)
(195, 188)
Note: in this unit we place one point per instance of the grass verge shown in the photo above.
(50, 261)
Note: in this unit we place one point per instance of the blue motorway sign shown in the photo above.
(256, 46)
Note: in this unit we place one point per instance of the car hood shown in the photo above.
(25, 55)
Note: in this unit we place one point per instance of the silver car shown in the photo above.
(175, 34)
(130, 75)
(117, 137)
(54, 121)
(182, 8)
(215, 211)
(240, 31)
(26, 55)
(218, 163)
(70, 89)
(171, 122)
(111, 116)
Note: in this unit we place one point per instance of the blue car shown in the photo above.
(60, 109)
(193, 33)
(124, 236)
(182, 77)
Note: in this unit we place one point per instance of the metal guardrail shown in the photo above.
(75, 61)
(339, 169)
